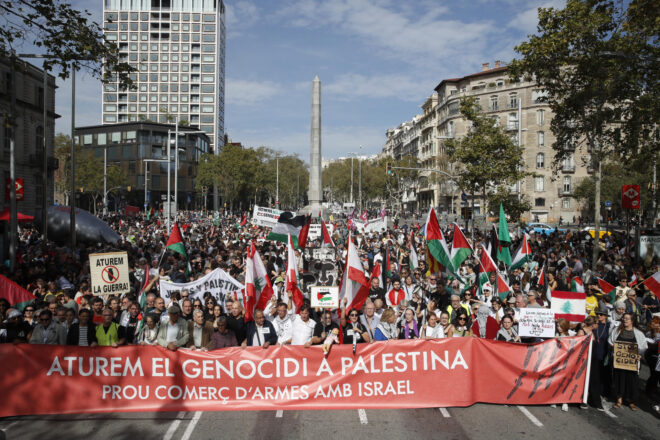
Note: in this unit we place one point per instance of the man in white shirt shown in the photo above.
(283, 323)
(303, 328)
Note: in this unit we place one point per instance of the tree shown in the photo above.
(488, 158)
(513, 206)
(65, 33)
(598, 63)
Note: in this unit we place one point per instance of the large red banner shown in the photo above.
(39, 379)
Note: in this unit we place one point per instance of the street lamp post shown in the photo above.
(352, 179)
(360, 178)
(176, 167)
(105, 180)
(277, 180)
(72, 201)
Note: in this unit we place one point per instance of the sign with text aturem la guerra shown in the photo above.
(630, 196)
(109, 273)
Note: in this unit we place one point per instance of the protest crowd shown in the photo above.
(421, 281)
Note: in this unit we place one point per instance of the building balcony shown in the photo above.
(568, 168)
(493, 108)
(512, 105)
(512, 125)
(564, 192)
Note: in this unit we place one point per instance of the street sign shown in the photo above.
(608, 203)
(109, 273)
(464, 197)
(19, 189)
(630, 196)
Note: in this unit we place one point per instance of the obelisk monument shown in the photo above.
(315, 193)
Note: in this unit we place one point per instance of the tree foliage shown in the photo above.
(599, 63)
(245, 174)
(487, 157)
(513, 207)
(68, 35)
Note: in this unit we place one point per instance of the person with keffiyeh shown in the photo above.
(386, 328)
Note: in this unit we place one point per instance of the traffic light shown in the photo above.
(389, 168)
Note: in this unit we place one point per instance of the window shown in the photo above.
(513, 100)
(115, 137)
(539, 183)
(493, 103)
(566, 203)
(539, 202)
(540, 117)
(567, 184)
(102, 139)
(541, 138)
(540, 160)
(512, 122)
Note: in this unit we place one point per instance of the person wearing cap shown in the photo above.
(15, 329)
(173, 332)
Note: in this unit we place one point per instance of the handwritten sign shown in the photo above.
(325, 296)
(109, 273)
(625, 356)
(266, 217)
(537, 323)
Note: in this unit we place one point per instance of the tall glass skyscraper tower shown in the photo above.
(178, 49)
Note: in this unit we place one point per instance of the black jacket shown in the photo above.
(74, 333)
(269, 335)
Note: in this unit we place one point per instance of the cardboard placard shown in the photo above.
(325, 296)
(109, 273)
(625, 356)
(538, 323)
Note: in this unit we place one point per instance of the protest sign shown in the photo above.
(625, 356)
(320, 266)
(371, 225)
(315, 230)
(219, 283)
(325, 296)
(49, 379)
(538, 323)
(109, 273)
(265, 216)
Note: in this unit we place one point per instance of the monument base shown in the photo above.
(314, 210)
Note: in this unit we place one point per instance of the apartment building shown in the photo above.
(517, 107)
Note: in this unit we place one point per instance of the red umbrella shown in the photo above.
(4, 217)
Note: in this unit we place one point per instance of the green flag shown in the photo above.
(504, 239)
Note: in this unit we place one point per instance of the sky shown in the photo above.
(378, 60)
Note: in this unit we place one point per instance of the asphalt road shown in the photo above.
(476, 422)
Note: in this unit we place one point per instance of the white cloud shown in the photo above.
(250, 93)
(240, 16)
(527, 20)
(420, 38)
(399, 86)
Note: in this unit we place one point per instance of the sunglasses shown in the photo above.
(462, 319)
(44, 320)
(353, 314)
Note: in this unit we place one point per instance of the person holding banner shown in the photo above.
(223, 337)
(589, 327)
(109, 333)
(83, 332)
(353, 330)
(386, 329)
(626, 382)
(200, 331)
(260, 332)
(409, 328)
(324, 327)
(173, 332)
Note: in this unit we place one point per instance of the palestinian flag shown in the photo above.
(486, 266)
(175, 241)
(607, 289)
(435, 241)
(492, 242)
(287, 225)
(414, 260)
(577, 285)
(503, 289)
(17, 296)
(543, 282)
(386, 268)
(569, 305)
(504, 239)
(460, 248)
(522, 254)
(258, 289)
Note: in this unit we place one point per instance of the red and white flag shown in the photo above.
(327, 239)
(258, 289)
(365, 216)
(633, 280)
(653, 284)
(292, 276)
(353, 279)
(569, 305)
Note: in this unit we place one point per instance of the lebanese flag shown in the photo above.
(577, 285)
(353, 279)
(258, 289)
(363, 294)
(304, 232)
(607, 289)
(17, 296)
(569, 305)
(327, 239)
(633, 280)
(653, 284)
(522, 254)
(435, 241)
(291, 285)
(460, 248)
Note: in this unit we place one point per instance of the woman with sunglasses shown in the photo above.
(353, 328)
(28, 315)
(461, 325)
(210, 306)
